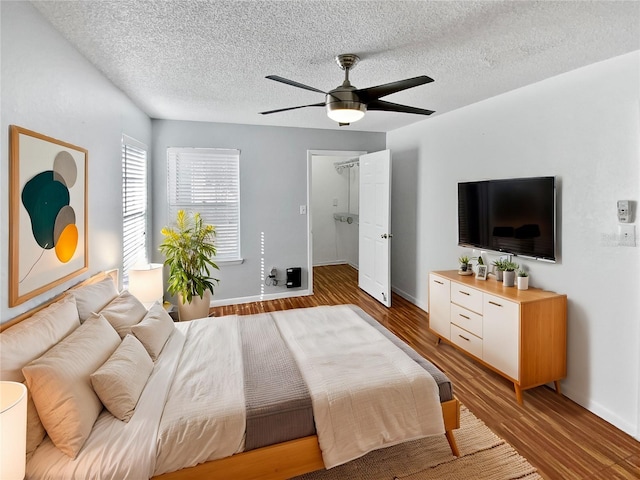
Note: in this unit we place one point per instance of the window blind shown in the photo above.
(207, 181)
(134, 205)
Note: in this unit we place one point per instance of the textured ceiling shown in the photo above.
(206, 60)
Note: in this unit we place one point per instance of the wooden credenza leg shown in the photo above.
(437, 341)
(557, 385)
(518, 393)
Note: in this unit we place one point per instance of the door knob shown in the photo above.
(386, 235)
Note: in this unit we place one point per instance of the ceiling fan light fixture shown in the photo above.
(346, 112)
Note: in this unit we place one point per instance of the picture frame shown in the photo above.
(48, 234)
(481, 272)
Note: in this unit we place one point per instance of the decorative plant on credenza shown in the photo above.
(509, 275)
(523, 279)
(465, 267)
(189, 250)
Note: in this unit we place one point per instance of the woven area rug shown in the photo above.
(484, 456)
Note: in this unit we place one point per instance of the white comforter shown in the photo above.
(191, 410)
(366, 393)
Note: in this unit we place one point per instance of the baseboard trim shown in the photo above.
(600, 411)
(259, 298)
(410, 298)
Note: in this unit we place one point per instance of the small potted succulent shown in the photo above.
(509, 276)
(465, 267)
(499, 270)
(523, 280)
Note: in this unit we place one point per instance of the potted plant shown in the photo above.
(523, 280)
(509, 275)
(465, 268)
(189, 249)
(499, 270)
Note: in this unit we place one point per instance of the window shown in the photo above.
(134, 205)
(207, 181)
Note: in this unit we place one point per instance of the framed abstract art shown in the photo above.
(48, 236)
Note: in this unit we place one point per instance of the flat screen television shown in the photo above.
(515, 216)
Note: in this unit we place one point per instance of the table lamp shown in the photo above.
(145, 283)
(13, 430)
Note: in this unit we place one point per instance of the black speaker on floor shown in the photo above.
(294, 277)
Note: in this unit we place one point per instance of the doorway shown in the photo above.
(332, 220)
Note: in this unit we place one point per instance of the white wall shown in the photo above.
(583, 127)
(334, 242)
(48, 87)
(273, 185)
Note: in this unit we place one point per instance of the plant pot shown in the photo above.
(509, 279)
(523, 283)
(499, 275)
(198, 308)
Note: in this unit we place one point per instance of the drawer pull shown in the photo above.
(464, 338)
(438, 282)
(496, 304)
(464, 293)
(464, 316)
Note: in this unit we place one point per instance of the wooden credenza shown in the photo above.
(520, 334)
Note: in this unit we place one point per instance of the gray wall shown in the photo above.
(583, 127)
(273, 185)
(48, 87)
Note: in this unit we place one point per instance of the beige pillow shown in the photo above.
(94, 297)
(61, 388)
(29, 339)
(154, 330)
(26, 341)
(120, 381)
(123, 312)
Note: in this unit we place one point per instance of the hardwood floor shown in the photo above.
(559, 437)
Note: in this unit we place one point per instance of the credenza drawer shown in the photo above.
(466, 297)
(467, 341)
(466, 319)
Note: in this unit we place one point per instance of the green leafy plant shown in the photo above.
(189, 249)
(522, 273)
(510, 266)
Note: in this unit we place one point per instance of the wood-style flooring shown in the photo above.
(559, 437)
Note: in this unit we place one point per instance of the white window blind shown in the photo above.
(207, 181)
(134, 204)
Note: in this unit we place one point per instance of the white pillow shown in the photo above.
(120, 381)
(154, 330)
(94, 297)
(61, 388)
(123, 312)
(28, 340)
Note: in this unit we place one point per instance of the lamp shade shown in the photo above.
(13, 430)
(145, 283)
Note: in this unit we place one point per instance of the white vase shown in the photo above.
(523, 283)
(198, 308)
(509, 278)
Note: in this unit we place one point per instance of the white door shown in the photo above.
(374, 274)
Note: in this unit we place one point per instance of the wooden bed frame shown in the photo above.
(288, 459)
(275, 462)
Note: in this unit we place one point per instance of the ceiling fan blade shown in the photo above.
(395, 107)
(293, 83)
(293, 108)
(373, 93)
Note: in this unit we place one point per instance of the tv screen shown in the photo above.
(516, 216)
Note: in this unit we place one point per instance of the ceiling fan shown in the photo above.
(347, 104)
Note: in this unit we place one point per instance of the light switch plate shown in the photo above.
(627, 235)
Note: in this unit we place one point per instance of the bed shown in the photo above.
(275, 409)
